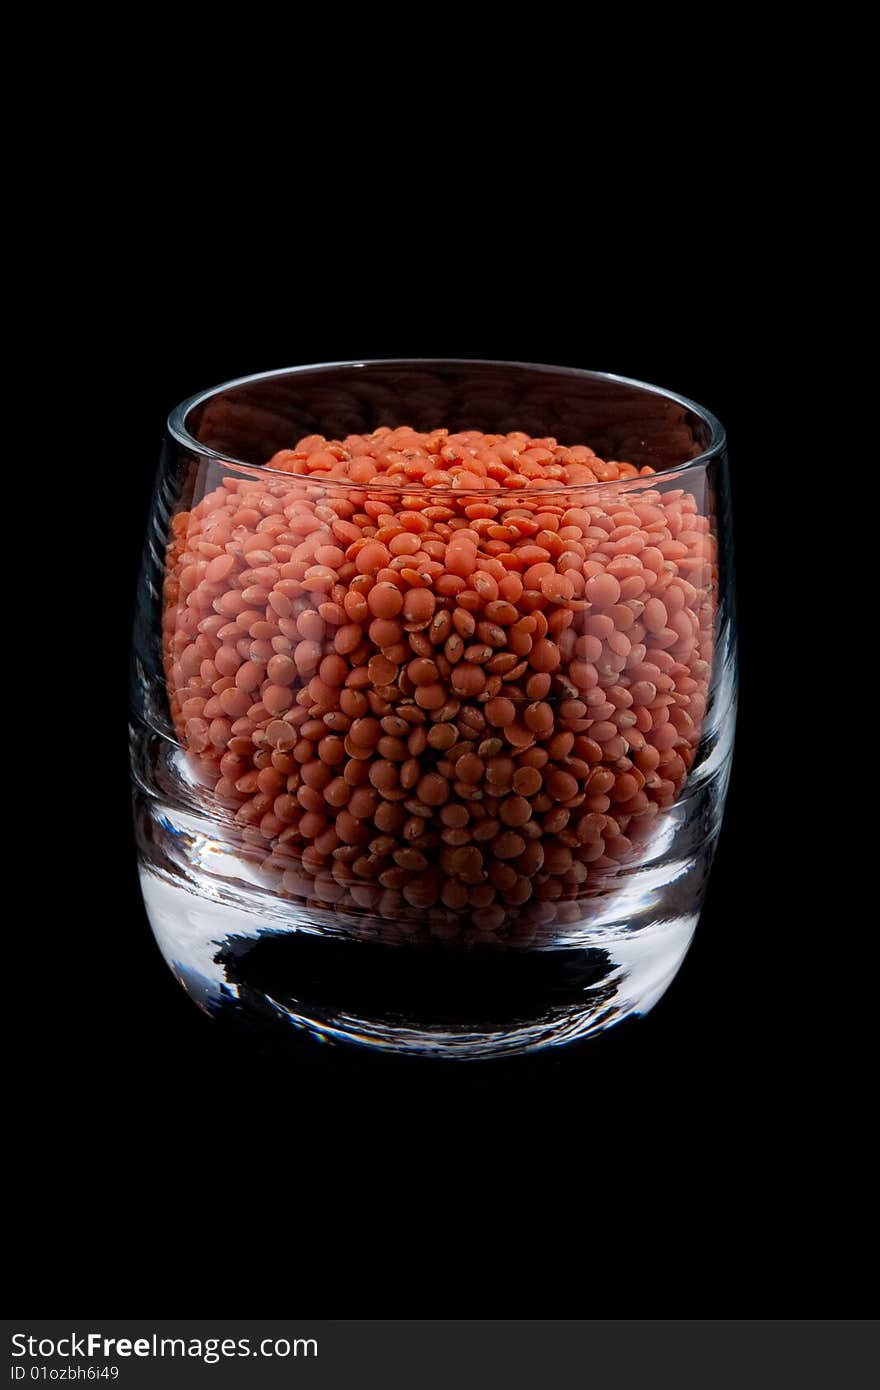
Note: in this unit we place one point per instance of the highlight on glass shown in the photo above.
(433, 700)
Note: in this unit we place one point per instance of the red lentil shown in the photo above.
(419, 665)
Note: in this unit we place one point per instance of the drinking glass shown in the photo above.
(470, 827)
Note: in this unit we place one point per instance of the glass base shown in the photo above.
(278, 965)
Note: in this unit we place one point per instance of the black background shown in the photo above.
(713, 1138)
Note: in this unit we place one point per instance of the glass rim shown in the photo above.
(176, 424)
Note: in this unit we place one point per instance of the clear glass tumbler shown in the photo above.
(431, 755)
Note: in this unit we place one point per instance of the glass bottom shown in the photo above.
(428, 999)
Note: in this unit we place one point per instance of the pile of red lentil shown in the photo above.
(435, 677)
